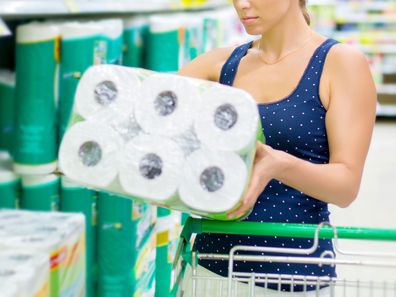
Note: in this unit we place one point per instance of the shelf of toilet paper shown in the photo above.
(77, 199)
(126, 246)
(182, 143)
(168, 229)
(57, 235)
(11, 8)
(9, 183)
(24, 273)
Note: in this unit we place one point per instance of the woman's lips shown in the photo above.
(249, 20)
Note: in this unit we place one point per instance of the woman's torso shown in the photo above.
(293, 120)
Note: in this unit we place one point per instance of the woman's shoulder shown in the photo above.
(345, 55)
(208, 65)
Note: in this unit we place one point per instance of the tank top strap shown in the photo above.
(230, 67)
(311, 78)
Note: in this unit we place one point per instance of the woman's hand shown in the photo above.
(267, 164)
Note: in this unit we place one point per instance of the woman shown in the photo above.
(317, 102)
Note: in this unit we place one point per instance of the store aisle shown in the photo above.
(376, 203)
(375, 207)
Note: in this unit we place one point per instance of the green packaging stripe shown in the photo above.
(116, 235)
(163, 212)
(135, 40)
(9, 193)
(145, 286)
(78, 54)
(114, 50)
(115, 286)
(83, 200)
(163, 275)
(163, 51)
(44, 197)
(7, 116)
(35, 103)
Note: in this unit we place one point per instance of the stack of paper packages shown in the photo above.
(41, 254)
(178, 142)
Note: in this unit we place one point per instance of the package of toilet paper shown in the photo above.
(59, 237)
(37, 57)
(28, 271)
(9, 187)
(177, 142)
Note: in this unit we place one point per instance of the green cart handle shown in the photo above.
(325, 231)
(198, 226)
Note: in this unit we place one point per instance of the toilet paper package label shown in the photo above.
(36, 66)
(172, 141)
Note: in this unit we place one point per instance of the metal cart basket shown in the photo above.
(335, 286)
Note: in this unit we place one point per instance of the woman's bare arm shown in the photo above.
(349, 123)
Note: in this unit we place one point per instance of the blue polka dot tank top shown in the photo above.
(296, 125)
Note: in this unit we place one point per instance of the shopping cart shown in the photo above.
(336, 286)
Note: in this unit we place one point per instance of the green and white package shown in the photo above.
(122, 246)
(40, 192)
(76, 198)
(194, 37)
(57, 235)
(9, 188)
(10, 183)
(79, 48)
(168, 230)
(192, 146)
(166, 43)
(112, 36)
(7, 110)
(37, 54)
(135, 41)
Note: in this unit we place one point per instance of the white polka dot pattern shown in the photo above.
(296, 125)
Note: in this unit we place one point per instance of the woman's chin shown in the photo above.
(253, 30)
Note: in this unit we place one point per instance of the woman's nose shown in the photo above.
(242, 4)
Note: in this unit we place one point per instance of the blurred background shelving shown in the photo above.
(186, 28)
(371, 27)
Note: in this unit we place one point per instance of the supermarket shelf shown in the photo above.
(321, 2)
(365, 19)
(10, 8)
(386, 111)
(386, 106)
(374, 49)
(388, 89)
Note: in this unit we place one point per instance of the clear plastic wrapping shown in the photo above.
(178, 142)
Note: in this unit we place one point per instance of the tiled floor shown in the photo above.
(375, 207)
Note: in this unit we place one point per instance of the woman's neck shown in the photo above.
(288, 34)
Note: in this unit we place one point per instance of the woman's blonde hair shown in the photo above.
(303, 6)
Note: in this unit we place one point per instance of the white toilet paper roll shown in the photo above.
(89, 154)
(111, 28)
(5, 161)
(38, 262)
(150, 168)
(213, 181)
(188, 141)
(228, 120)
(24, 278)
(23, 258)
(129, 128)
(40, 243)
(107, 93)
(8, 289)
(167, 104)
(71, 30)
